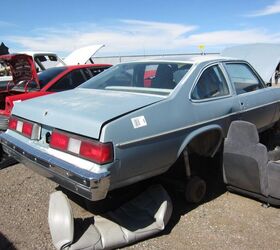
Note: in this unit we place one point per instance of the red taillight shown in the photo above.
(12, 123)
(27, 129)
(59, 141)
(98, 152)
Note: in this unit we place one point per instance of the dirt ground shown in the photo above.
(223, 221)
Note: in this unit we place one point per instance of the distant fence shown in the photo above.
(119, 59)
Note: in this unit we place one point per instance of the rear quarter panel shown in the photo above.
(151, 149)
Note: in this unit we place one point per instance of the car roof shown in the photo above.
(193, 59)
(32, 53)
(80, 66)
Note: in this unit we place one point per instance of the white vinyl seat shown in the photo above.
(140, 218)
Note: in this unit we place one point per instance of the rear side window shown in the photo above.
(211, 84)
(86, 73)
(243, 78)
(47, 75)
(69, 81)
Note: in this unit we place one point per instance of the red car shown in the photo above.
(28, 84)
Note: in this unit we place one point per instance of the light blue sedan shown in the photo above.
(134, 120)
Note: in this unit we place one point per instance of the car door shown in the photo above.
(212, 98)
(258, 102)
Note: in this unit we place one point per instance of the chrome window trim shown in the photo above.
(250, 67)
(197, 79)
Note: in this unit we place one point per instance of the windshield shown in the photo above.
(145, 77)
(44, 78)
(45, 61)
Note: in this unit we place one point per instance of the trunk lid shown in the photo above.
(82, 55)
(82, 111)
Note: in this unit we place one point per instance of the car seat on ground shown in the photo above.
(247, 166)
(140, 218)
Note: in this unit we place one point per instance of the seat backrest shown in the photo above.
(61, 220)
(164, 77)
(245, 159)
(243, 133)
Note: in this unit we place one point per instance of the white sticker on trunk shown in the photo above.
(139, 121)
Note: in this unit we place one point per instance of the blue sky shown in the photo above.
(137, 27)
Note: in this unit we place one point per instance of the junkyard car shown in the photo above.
(115, 129)
(45, 60)
(27, 84)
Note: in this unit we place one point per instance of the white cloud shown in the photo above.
(268, 10)
(150, 27)
(124, 36)
(227, 37)
(134, 36)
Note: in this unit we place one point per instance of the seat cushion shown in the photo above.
(140, 218)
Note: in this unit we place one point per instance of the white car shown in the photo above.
(45, 60)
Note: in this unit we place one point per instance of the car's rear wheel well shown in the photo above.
(199, 165)
(198, 169)
(205, 144)
(203, 148)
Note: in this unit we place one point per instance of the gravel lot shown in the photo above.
(225, 220)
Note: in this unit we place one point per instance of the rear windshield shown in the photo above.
(44, 78)
(154, 78)
(45, 61)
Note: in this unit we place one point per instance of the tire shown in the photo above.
(195, 190)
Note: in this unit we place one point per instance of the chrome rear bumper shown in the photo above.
(93, 186)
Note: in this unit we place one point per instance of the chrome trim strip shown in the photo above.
(250, 66)
(90, 185)
(230, 84)
(257, 107)
(218, 63)
(128, 143)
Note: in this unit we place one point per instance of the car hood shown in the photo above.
(82, 111)
(22, 67)
(263, 57)
(82, 55)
